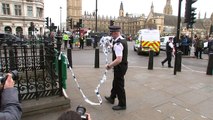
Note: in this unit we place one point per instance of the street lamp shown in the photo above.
(60, 18)
(176, 42)
(96, 15)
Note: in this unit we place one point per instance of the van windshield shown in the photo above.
(162, 40)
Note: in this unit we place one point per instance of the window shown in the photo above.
(18, 10)
(39, 12)
(6, 8)
(161, 39)
(30, 11)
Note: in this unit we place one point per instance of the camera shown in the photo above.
(82, 110)
(3, 76)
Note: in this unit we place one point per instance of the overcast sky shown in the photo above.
(111, 7)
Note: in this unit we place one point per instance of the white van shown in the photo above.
(147, 39)
(163, 41)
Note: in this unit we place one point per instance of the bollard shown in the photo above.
(150, 65)
(69, 56)
(210, 65)
(95, 41)
(179, 60)
(96, 57)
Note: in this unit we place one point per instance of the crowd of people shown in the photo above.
(74, 40)
(196, 43)
(199, 44)
(188, 46)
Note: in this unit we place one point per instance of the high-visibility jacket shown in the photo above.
(65, 37)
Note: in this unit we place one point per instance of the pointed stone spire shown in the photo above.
(121, 11)
(212, 17)
(121, 6)
(199, 15)
(152, 7)
(168, 8)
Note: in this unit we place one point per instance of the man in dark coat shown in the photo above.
(120, 64)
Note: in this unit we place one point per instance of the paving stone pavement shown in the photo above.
(155, 94)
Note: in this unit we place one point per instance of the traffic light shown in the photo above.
(112, 22)
(70, 22)
(47, 22)
(190, 13)
(32, 26)
(53, 27)
(80, 23)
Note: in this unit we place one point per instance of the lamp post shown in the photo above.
(176, 44)
(96, 15)
(96, 38)
(60, 18)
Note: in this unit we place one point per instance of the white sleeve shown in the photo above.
(171, 45)
(118, 48)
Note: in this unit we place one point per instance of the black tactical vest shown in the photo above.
(125, 50)
(168, 48)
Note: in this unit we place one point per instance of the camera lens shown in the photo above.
(81, 110)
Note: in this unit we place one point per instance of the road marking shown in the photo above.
(203, 116)
(187, 110)
(172, 117)
(159, 111)
(192, 69)
(174, 104)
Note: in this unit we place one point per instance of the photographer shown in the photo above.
(10, 106)
(72, 115)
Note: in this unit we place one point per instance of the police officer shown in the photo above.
(169, 52)
(120, 64)
(65, 38)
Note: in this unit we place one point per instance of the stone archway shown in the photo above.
(8, 29)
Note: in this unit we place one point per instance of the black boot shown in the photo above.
(110, 100)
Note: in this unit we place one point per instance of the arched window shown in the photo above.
(8, 29)
(30, 31)
(19, 31)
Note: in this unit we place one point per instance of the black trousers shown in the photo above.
(81, 45)
(168, 58)
(118, 84)
(65, 44)
(198, 53)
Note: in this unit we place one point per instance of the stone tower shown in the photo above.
(152, 8)
(211, 18)
(74, 10)
(168, 8)
(121, 11)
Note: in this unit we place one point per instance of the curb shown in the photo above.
(43, 105)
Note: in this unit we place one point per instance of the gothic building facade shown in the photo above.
(130, 24)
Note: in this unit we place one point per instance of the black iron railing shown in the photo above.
(36, 64)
